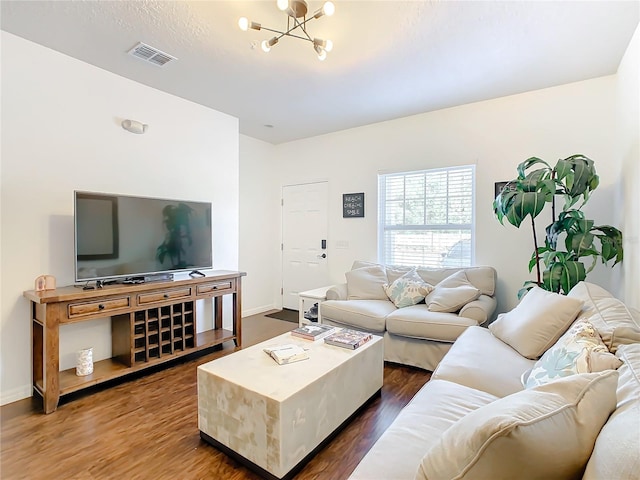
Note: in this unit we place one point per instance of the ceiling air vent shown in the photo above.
(151, 55)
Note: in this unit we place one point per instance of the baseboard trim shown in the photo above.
(258, 310)
(15, 394)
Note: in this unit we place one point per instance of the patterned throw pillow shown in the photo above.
(579, 350)
(407, 290)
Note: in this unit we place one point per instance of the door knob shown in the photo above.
(324, 255)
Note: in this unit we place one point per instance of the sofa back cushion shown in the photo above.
(481, 277)
(603, 311)
(545, 432)
(537, 322)
(366, 283)
(615, 454)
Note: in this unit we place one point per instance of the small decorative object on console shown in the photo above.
(313, 332)
(347, 338)
(45, 282)
(84, 362)
(288, 353)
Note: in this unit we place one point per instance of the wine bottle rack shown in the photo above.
(162, 331)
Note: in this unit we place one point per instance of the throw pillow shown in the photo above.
(407, 290)
(623, 336)
(615, 454)
(452, 293)
(366, 283)
(545, 432)
(579, 350)
(537, 322)
(603, 310)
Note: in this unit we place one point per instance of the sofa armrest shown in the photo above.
(479, 310)
(337, 292)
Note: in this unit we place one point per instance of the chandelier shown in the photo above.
(297, 19)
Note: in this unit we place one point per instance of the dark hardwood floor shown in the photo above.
(147, 428)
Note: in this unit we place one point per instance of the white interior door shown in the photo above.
(304, 240)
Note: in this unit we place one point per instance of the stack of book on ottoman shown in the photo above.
(290, 352)
(313, 332)
(347, 338)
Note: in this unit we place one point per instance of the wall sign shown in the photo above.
(352, 205)
(498, 187)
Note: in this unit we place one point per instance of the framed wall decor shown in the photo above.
(353, 205)
(499, 186)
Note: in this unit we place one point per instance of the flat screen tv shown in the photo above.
(120, 236)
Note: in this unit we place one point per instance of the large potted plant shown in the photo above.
(573, 179)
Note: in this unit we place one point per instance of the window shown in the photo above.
(427, 217)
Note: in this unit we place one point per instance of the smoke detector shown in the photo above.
(150, 54)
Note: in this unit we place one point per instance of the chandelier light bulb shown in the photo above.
(322, 53)
(243, 23)
(283, 4)
(328, 8)
(267, 44)
(326, 45)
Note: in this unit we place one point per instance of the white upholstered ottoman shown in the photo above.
(272, 417)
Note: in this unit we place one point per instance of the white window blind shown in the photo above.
(427, 217)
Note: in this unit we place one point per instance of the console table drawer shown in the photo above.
(103, 306)
(163, 296)
(214, 287)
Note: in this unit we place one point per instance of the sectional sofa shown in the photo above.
(549, 390)
(419, 311)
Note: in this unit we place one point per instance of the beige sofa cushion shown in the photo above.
(366, 283)
(479, 360)
(602, 310)
(418, 322)
(616, 452)
(579, 350)
(437, 406)
(624, 336)
(367, 315)
(545, 432)
(451, 294)
(482, 277)
(537, 322)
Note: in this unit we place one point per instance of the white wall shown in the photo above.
(628, 143)
(60, 132)
(259, 226)
(494, 135)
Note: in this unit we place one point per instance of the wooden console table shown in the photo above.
(151, 323)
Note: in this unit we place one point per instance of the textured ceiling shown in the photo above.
(391, 58)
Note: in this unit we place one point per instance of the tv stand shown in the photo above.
(196, 273)
(151, 324)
